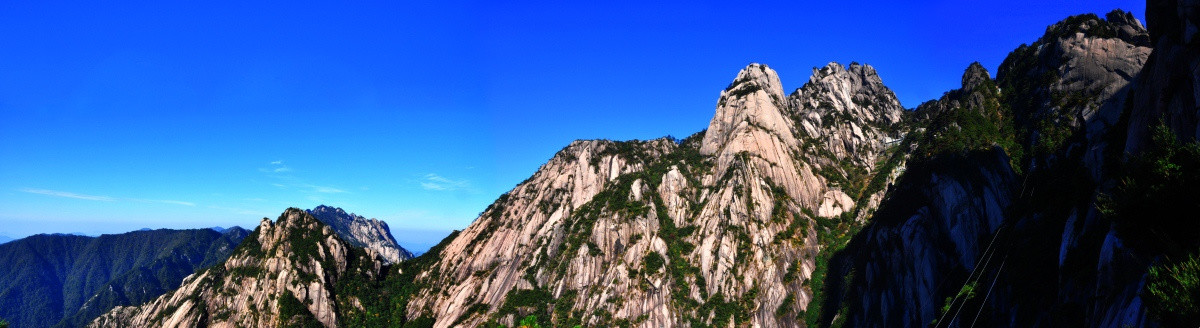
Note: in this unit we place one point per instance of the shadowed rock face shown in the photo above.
(1074, 74)
(362, 232)
(293, 260)
(1095, 84)
(1168, 89)
(924, 241)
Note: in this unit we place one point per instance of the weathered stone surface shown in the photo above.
(729, 203)
(295, 256)
(362, 232)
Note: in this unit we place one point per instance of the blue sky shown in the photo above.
(118, 116)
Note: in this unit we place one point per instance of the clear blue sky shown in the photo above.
(118, 116)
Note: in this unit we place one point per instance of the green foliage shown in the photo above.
(529, 322)
(725, 311)
(835, 234)
(652, 262)
(739, 92)
(3, 323)
(475, 309)
(1155, 204)
(385, 300)
(1173, 292)
(48, 279)
(785, 307)
(1088, 24)
(292, 313)
(965, 293)
(963, 129)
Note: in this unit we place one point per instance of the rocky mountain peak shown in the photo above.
(753, 102)
(756, 77)
(857, 91)
(290, 272)
(1118, 24)
(1129, 28)
(974, 76)
(847, 111)
(835, 76)
(359, 231)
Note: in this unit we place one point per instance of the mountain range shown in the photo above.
(68, 280)
(1060, 192)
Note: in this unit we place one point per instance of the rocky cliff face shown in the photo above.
(1074, 75)
(1067, 101)
(285, 273)
(717, 228)
(1169, 86)
(362, 232)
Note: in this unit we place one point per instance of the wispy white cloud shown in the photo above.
(288, 181)
(67, 194)
(164, 201)
(276, 167)
(433, 181)
(325, 190)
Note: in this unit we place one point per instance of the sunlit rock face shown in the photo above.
(362, 232)
(294, 260)
(715, 228)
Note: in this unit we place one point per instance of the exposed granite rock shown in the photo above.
(362, 232)
(636, 231)
(294, 257)
(1074, 75)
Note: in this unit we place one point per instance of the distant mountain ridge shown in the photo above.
(362, 232)
(67, 280)
(295, 271)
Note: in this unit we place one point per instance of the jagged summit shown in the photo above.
(974, 76)
(858, 76)
(1077, 73)
(290, 272)
(756, 76)
(857, 89)
(753, 103)
(1117, 24)
(362, 232)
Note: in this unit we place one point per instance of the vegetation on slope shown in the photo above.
(1154, 210)
(69, 280)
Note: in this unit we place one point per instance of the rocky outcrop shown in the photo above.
(717, 228)
(362, 232)
(849, 111)
(1032, 249)
(1168, 89)
(285, 273)
(929, 238)
(1074, 75)
(849, 123)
